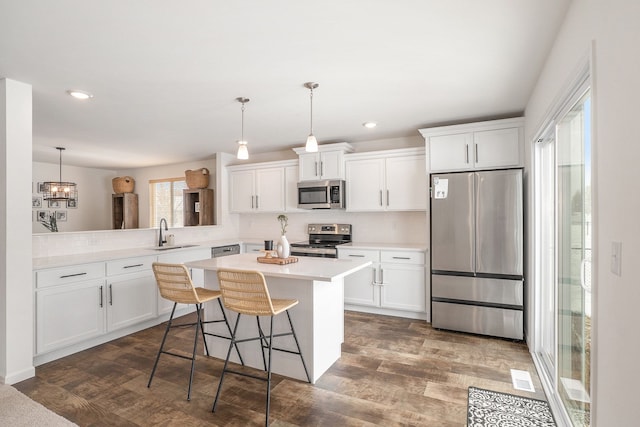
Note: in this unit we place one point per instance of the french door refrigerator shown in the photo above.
(477, 252)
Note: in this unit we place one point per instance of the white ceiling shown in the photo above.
(165, 73)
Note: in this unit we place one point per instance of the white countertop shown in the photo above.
(102, 256)
(307, 268)
(384, 246)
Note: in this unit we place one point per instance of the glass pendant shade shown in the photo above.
(312, 144)
(243, 153)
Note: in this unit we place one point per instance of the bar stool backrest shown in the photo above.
(174, 283)
(245, 292)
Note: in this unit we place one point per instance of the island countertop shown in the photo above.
(307, 268)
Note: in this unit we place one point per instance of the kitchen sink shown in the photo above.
(167, 248)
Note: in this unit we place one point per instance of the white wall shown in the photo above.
(94, 196)
(612, 25)
(142, 177)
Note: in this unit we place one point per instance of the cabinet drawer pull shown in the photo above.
(354, 255)
(72, 275)
(401, 257)
(101, 302)
(132, 266)
(110, 295)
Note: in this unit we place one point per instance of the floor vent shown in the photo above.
(575, 389)
(522, 380)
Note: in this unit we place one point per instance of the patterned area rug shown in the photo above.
(493, 409)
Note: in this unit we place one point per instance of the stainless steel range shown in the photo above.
(323, 239)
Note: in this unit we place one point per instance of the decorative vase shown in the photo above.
(283, 248)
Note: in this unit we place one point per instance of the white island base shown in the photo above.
(318, 319)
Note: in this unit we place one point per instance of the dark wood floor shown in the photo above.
(392, 371)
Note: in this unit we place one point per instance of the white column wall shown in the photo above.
(16, 294)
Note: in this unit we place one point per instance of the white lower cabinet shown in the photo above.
(68, 314)
(395, 280)
(82, 305)
(130, 292)
(130, 299)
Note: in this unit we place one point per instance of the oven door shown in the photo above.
(314, 195)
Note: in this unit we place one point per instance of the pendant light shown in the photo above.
(243, 153)
(312, 142)
(60, 190)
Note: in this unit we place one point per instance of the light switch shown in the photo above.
(616, 258)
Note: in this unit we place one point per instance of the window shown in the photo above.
(166, 201)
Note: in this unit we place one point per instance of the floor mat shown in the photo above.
(494, 409)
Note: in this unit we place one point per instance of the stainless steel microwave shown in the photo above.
(321, 194)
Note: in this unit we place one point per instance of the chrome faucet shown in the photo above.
(161, 241)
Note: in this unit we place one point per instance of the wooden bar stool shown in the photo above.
(246, 292)
(174, 283)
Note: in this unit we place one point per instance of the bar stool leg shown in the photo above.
(263, 342)
(304, 365)
(266, 423)
(164, 338)
(226, 362)
(204, 337)
(226, 322)
(195, 345)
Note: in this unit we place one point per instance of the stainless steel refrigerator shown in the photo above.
(477, 252)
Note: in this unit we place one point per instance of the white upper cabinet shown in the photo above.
(261, 187)
(393, 180)
(484, 145)
(327, 163)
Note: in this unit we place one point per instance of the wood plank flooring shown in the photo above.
(393, 371)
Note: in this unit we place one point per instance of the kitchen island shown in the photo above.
(317, 283)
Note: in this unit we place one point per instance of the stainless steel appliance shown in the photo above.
(219, 251)
(321, 194)
(323, 239)
(477, 252)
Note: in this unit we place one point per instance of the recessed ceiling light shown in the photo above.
(369, 125)
(79, 94)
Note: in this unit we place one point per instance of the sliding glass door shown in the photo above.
(574, 259)
(562, 211)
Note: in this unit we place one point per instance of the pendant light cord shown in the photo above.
(311, 114)
(242, 129)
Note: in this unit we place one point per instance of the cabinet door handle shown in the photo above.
(381, 277)
(355, 255)
(257, 202)
(466, 153)
(110, 295)
(316, 168)
(374, 282)
(321, 169)
(387, 197)
(476, 147)
(132, 266)
(72, 275)
(401, 257)
(101, 302)
(252, 202)
(380, 197)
